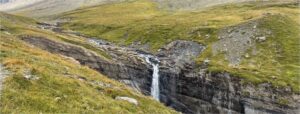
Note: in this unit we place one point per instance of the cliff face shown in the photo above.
(134, 75)
(187, 87)
(199, 91)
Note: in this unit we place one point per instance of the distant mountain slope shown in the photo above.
(8, 5)
(39, 8)
(197, 4)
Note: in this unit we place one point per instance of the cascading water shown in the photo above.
(155, 75)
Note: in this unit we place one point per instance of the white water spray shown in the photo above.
(155, 76)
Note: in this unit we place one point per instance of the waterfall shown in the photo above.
(155, 76)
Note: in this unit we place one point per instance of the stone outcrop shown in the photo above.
(128, 99)
(185, 86)
(180, 53)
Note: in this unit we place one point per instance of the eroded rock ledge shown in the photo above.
(135, 75)
(187, 87)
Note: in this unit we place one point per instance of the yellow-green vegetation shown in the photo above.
(18, 26)
(277, 59)
(41, 82)
(141, 21)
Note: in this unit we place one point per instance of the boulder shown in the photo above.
(261, 39)
(128, 99)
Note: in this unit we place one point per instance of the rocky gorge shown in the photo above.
(150, 56)
(183, 84)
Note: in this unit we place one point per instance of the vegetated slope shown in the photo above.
(41, 82)
(142, 24)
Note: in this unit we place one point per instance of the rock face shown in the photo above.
(221, 93)
(185, 86)
(180, 53)
(137, 76)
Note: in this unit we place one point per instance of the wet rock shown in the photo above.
(128, 99)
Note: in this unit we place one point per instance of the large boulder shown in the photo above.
(128, 99)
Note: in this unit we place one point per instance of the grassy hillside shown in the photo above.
(41, 82)
(276, 60)
(142, 22)
(43, 8)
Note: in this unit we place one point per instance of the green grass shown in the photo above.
(284, 48)
(143, 22)
(160, 27)
(58, 90)
(277, 59)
